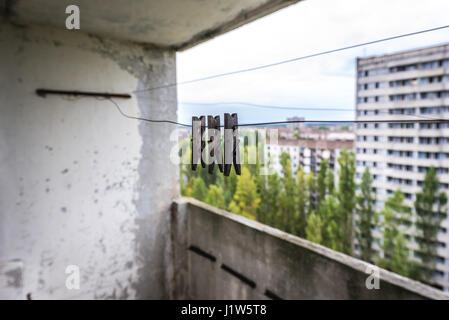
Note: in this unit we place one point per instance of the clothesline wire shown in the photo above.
(429, 120)
(270, 65)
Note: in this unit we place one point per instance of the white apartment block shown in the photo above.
(405, 86)
(273, 153)
(307, 153)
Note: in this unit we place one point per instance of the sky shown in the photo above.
(305, 28)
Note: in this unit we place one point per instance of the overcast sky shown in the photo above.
(307, 27)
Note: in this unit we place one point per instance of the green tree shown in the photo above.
(398, 262)
(263, 210)
(215, 197)
(246, 200)
(288, 205)
(366, 201)
(264, 205)
(331, 232)
(346, 198)
(321, 182)
(394, 247)
(430, 210)
(330, 182)
(272, 198)
(311, 192)
(229, 186)
(314, 228)
(302, 203)
(199, 190)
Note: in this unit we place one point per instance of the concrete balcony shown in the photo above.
(220, 255)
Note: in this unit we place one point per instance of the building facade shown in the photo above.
(410, 85)
(306, 153)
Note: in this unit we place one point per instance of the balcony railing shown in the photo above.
(220, 255)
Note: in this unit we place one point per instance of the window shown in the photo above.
(404, 68)
(401, 167)
(433, 125)
(400, 153)
(430, 65)
(434, 95)
(433, 140)
(402, 111)
(399, 181)
(439, 170)
(401, 125)
(403, 97)
(433, 155)
(400, 139)
(434, 110)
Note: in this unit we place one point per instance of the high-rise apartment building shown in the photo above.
(405, 86)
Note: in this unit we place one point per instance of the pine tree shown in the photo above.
(394, 245)
(430, 210)
(366, 213)
(346, 198)
(215, 197)
(246, 200)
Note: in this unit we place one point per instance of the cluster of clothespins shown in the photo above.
(224, 160)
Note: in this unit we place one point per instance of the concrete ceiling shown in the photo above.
(178, 24)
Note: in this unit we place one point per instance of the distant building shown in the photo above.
(307, 153)
(405, 86)
(296, 125)
(317, 134)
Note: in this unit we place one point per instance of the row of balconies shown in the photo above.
(440, 86)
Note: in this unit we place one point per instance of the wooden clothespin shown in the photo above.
(198, 143)
(231, 144)
(214, 143)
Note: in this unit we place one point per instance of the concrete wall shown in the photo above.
(79, 183)
(219, 255)
(177, 24)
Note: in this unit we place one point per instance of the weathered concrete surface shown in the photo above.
(79, 183)
(177, 24)
(276, 262)
(11, 279)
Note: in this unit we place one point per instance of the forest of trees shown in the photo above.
(315, 207)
